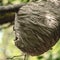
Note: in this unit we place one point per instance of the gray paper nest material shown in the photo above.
(37, 27)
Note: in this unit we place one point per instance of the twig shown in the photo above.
(14, 56)
(26, 57)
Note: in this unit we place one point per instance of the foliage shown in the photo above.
(5, 2)
(8, 50)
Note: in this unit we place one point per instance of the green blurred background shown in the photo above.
(8, 50)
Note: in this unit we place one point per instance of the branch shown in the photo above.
(7, 18)
(7, 13)
(11, 8)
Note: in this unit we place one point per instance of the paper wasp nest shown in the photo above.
(37, 27)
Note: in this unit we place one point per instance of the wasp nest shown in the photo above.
(37, 27)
